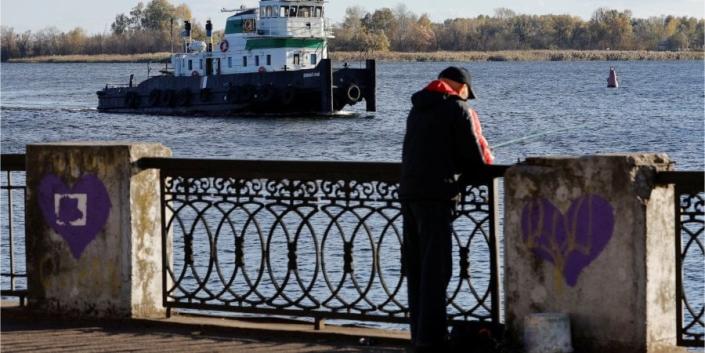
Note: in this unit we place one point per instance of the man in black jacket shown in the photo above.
(443, 140)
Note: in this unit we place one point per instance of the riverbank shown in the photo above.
(103, 58)
(439, 56)
(524, 55)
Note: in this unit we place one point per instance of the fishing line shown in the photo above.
(539, 134)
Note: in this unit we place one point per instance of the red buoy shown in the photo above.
(612, 81)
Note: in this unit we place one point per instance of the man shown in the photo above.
(443, 140)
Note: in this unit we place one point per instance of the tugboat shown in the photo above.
(273, 59)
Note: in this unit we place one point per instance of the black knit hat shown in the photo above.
(460, 75)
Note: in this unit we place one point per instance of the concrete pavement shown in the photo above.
(22, 331)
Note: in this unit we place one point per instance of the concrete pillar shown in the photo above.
(94, 230)
(594, 238)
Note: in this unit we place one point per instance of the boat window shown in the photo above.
(319, 11)
(190, 65)
(256, 60)
(297, 59)
(284, 12)
(248, 25)
(269, 11)
(292, 11)
(244, 61)
(269, 60)
(304, 11)
(314, 59)
(230, 61)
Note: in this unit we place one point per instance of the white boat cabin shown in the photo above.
(279, 35)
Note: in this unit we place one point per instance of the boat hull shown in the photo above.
(320, 91)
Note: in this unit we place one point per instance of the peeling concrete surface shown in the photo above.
(623, 300)
(118, 274)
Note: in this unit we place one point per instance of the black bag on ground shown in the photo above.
(476, 337)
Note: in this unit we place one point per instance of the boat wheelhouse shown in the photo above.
(271, 59)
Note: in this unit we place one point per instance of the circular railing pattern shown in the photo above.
(692, 229)
(324, 248)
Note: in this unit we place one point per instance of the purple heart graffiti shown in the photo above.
(77, 214)
(570, 242)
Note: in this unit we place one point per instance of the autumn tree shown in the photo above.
(611, 29)
(147, 27)
(8, 45)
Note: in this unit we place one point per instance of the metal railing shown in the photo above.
(689, 229)
(12, 199)
(311, 239)
(323, 240)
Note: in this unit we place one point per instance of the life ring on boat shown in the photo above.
(262, 69)
(288, 96)
(224, 45)
(353, 93)
(183, 98)
(155, 97)
(195, 74)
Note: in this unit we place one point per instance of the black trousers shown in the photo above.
(426, 254)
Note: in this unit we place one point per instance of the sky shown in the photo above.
(96, 15)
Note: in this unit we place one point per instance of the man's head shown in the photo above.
(459, 79)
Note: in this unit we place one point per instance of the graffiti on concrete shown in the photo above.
(571, 241)
(78, 213)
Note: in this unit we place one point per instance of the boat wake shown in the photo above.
(46, 109)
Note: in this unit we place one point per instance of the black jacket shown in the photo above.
(439, 145)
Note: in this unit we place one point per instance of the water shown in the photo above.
(659, 108)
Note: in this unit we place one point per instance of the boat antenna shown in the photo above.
(171, 35)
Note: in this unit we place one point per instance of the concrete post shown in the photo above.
(94, 230)
(594, 238)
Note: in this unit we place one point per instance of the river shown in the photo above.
(659, 108)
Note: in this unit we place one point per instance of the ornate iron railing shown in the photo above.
(13, 192)
(690, 277)
(312, 239)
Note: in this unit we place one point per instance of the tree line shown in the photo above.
(155, 26)
(401, 30)
(149, 27)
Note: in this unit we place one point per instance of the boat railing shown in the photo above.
(116, 85)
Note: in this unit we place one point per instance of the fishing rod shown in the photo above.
(539, 134)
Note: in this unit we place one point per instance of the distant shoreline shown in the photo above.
(439, 56)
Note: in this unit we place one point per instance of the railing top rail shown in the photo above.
(685, 180)
(384, 171)
(12, 162)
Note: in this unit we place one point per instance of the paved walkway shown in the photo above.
(24, 333)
